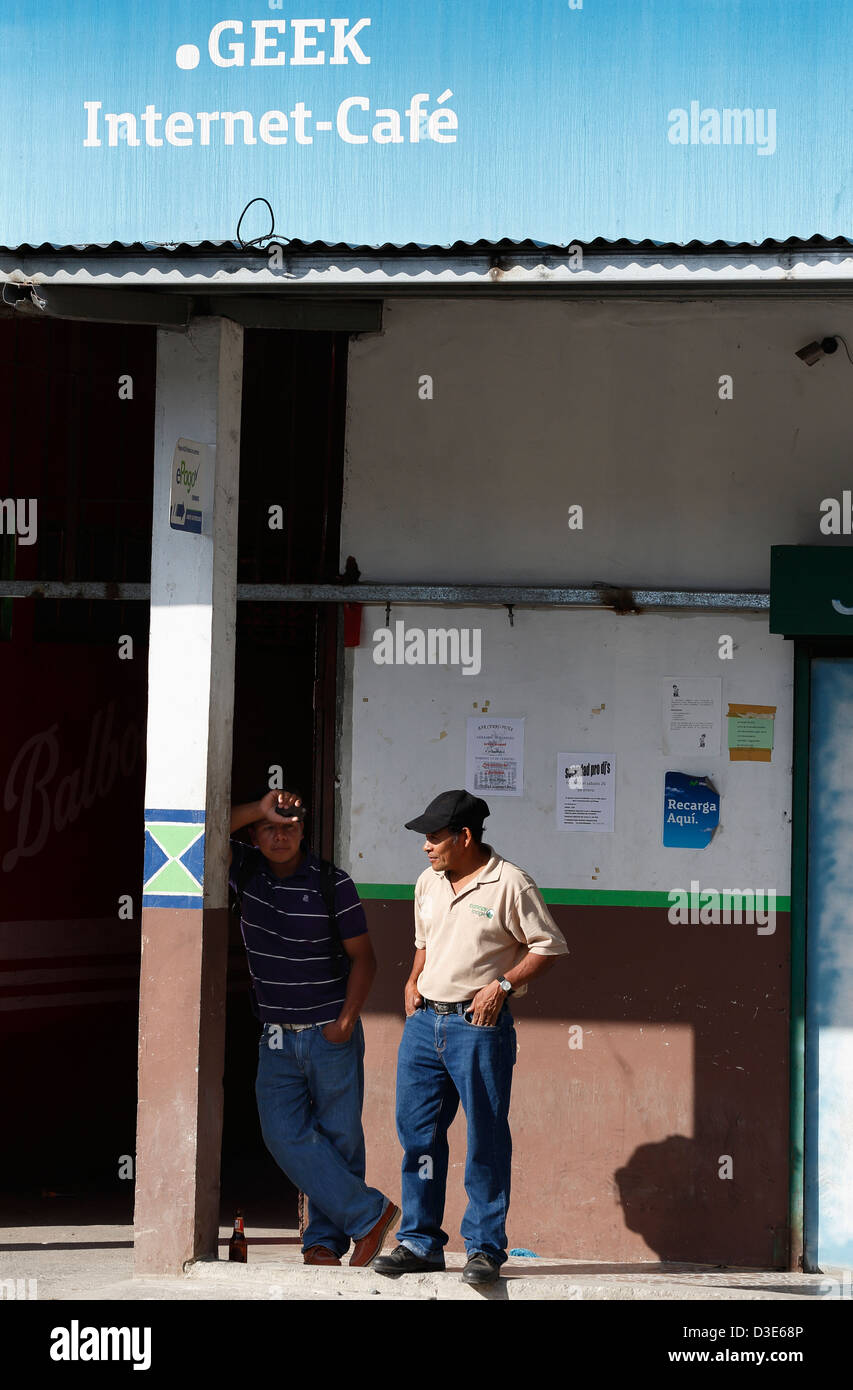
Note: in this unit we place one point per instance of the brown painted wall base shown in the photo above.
(618, 1145)
(181, 1061)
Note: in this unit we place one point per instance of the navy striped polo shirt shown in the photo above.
(296, 974)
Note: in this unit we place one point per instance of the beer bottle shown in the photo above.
(237, 1244)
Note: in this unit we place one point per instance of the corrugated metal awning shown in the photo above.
(815, 267)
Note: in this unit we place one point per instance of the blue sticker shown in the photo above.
(691, 811)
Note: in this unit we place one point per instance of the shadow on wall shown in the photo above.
(669, 1199)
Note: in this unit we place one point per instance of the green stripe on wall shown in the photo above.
(578, 897)
(386, 890)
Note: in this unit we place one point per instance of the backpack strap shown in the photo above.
(328, 887)
(247, 871)
(235, 904)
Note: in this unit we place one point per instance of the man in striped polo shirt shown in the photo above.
(309, 993)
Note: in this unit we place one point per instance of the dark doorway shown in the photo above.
(291, 458)
(72, 764)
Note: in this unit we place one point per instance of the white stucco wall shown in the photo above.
(539, 405)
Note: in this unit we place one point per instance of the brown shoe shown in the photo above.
(319, 1255)
(370, 1245)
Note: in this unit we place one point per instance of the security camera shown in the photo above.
(813, 352)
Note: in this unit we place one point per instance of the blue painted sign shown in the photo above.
(555, 120)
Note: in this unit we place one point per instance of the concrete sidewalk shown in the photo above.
(95, 1262)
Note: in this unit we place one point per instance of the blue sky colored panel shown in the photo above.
(556, 123)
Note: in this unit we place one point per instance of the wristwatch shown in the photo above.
(505, 985)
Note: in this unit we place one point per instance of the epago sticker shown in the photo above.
(191, 490)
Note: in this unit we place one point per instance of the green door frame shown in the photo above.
(805, 648)
(799, 889)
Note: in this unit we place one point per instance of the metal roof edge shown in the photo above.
(604, 268)
(623, 245)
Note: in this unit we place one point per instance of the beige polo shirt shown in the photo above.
(472, 936)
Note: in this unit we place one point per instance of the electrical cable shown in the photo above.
(258, 239)
(846, 348)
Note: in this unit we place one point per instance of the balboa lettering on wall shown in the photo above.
(159, 122)
(46, 804)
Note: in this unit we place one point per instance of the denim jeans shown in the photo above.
(444, 1059)
(310, 1094)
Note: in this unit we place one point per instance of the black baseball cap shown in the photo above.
(453, 809)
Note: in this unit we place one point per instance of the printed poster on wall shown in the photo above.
(586, 791)
(494, 756)
(692, 714)
(751, 733)
(691, 811)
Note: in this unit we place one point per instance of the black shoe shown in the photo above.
(480, 1269)
(405, 1261)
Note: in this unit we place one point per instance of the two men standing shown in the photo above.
(482, 931)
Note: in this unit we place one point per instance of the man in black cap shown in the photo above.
(482, 930)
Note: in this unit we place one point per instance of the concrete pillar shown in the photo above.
(187, 797)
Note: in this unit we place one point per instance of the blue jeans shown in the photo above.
(310, 1093)
(444, 1059)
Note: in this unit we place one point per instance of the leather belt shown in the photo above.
(440, 1007)
(294, 1027)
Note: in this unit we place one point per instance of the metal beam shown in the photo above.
(598, 596)
(279, 310)
(88, 589)
(108, 306)
(528, 596)
(266, 309)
